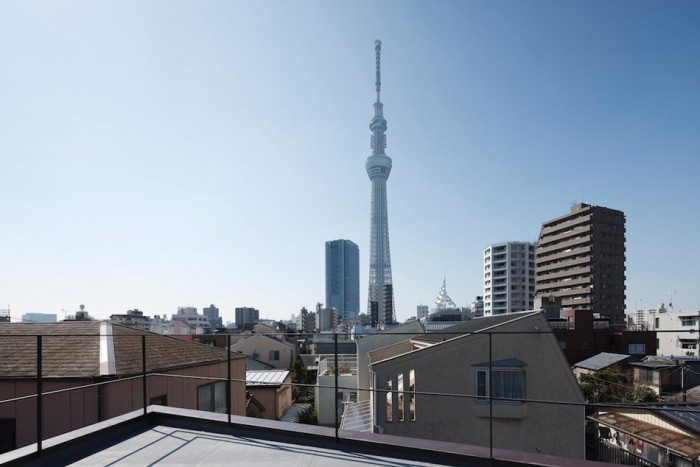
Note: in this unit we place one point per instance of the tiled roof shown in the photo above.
(601, 361)
(69, 349)
(72, 350)
(688, 446)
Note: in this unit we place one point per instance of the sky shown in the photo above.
(177, 153)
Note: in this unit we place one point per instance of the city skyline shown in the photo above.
(152, 153)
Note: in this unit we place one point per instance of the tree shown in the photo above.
(308, 416)
(605, 386)
(644, 394)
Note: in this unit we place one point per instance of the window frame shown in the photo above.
(216, 402)
(483, 377)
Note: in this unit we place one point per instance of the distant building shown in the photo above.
(246, 314)
(422, 311)
(326, 319)
(133, 318)
(509, 278)
(580, 257)
(683, 340)
(446, 313)
(4, 316)
(39, 318)
(212, 314)
(80, 315)
(305, 324)
(645, 318)
(189, 315)
(343, 278)
(477, 307)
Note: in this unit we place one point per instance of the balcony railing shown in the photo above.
(40, 388)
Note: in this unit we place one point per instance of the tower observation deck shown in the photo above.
(381, 292)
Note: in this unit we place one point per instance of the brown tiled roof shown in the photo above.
(72, 350)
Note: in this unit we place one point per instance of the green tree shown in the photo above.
(644, 394)
(308, 416)
(605, 386)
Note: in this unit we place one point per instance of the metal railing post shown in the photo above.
(337, 370)
(490, 400)
(143, 361)
(39, 408)
(228, 377)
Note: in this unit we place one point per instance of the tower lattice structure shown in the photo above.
(378, 165)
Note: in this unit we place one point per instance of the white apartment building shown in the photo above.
(677, 333)
(509, 277)
(422, 311)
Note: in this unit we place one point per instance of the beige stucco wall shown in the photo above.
(262, 345)
(375, 341)
(275, 399)
(70, 410)
(448, 368)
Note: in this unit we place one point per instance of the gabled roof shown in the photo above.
(462, 331)
(601, 361)
(75, 349)
(482, 323)
(269, 339)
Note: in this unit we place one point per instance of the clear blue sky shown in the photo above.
(167, 153)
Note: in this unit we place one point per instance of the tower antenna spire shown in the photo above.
(378, 81)
(378, 165)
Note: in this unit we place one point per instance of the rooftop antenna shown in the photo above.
(670, 298)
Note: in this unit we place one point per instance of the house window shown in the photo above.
(507, 384)
(637, 349)
(412, 395)
(274, 355)
(7, 435)
(212, 397)
(399, 386)
(255, 355)
(159, 400)
(389, 402)
(689, 320)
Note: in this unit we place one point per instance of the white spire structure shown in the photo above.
(443, 300)
(378, 165)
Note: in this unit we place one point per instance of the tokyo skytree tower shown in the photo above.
(378, 165)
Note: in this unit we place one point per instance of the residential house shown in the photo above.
(667, 435)
(381, 339)
(278, 353)
(272, 389)
(581, 335)
(84, 354)
(328, 398)
(501, 368)
(602, 361)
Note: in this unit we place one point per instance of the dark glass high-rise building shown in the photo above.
(343, 278)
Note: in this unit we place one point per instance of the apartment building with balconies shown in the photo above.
(580, 257)
(509, 277)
